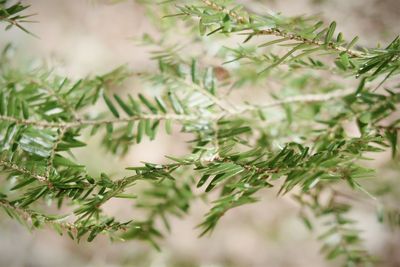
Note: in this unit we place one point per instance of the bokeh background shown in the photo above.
(83, 37)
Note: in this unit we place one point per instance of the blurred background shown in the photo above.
(83, 37)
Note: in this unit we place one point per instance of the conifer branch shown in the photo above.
(63, 102)
(279, 33)
(54, 149)
(14, 167)
(36, 219)
(228, 112)
(30, 216)
(11, 14)
(83, 123)
(234, 151)
(239, 19)
(290, 36)
(222, 104)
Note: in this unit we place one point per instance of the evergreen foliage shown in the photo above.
(296, 142)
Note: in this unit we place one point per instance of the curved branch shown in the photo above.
(279, 33)
(30, 216)
(295, 37)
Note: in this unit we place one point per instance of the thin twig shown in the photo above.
(54, 150)
(64, 103)
(15, 167)
(30, 215)
(301, 99)
(295, 37)
(205, 92)
(216, 116)
(388, 127)
(279, 33)
(81, 123)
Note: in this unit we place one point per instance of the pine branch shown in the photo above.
(54, 150)
(12, 15)
(341, 238)
(222, 104)
(330, 45)
(14, 167)
(82, 123)
(236, 149)
(30, 216)
(279, 33)
(37, 220)
(68, 107)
